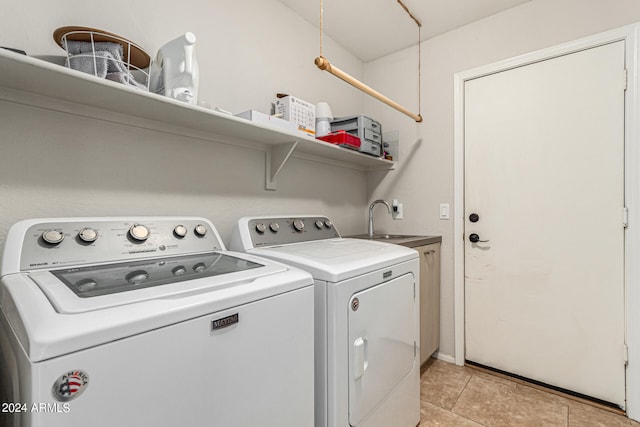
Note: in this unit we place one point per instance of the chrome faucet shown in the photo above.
(370, 233)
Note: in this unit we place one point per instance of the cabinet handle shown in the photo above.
(429, 252)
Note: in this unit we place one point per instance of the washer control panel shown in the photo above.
(57, 243)
(270, 231)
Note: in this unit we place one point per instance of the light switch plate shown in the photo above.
(444, 211)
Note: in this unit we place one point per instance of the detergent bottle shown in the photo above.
(175, 71)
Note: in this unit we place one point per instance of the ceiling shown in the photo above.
(370, 29)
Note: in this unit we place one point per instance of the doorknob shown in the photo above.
(474, 238)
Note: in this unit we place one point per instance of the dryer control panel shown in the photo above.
(271, 231)
(54, 243)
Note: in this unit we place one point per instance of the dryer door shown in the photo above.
(382, 344)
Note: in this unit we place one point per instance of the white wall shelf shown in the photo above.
(43, 84)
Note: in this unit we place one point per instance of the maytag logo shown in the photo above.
(142, 251)
(224, 322)
(38, 264)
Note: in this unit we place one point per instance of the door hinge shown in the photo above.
(625, 217)
(625, 78)
(625, 354)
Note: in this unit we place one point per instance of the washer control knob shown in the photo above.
(179, 270)
(319, 224)
(53, 237)
(200, 230)
(139, 232)
(86, 285)
(180, 231)
(298, 225)
(136, 277)
(328, 223)
(261, 228)
(274, 226)
(88, 235)
(199, 267)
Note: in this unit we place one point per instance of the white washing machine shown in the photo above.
(150, 322)
(366, 317)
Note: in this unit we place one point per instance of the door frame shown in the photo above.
(631, 35)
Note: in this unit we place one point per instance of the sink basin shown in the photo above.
(408, 240)
(384, 236)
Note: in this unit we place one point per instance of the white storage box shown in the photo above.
(298, 111)
(258, 117)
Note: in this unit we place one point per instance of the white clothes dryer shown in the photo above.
(150, 322)
(366, 317)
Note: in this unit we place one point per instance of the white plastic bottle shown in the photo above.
(175, 71)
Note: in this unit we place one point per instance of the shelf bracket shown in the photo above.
(276, 158)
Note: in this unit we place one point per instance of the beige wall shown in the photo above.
(424, 178)
(55, 164)
(58, 164)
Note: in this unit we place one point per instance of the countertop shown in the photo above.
(409, 241)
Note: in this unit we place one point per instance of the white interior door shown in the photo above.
(544, 172)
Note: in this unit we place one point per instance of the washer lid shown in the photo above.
(82, 289)
(339, 259)
(57, 321)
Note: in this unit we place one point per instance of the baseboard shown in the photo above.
(444, 357)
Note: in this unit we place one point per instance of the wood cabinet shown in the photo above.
(429, 299)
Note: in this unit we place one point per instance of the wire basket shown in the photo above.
(105, 55)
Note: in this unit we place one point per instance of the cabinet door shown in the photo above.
(429, 300)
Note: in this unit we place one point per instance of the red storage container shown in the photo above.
(342, 139)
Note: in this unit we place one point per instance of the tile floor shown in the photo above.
(465, 397)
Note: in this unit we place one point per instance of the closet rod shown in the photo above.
(324, 64)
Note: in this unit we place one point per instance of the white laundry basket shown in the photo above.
(104, 55)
